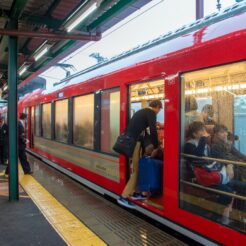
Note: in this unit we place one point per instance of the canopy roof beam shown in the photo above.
(49, 35)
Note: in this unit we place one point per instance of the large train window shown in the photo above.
(213, 144)
(61, 120)
(46, 120)
(37, 121)
(83, 121)
(110, 119)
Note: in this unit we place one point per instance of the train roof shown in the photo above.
(218, 24)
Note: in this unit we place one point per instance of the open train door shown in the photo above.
(140, 96)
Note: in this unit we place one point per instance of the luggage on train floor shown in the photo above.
(150, 175)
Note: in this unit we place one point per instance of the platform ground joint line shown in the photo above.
(70, 228)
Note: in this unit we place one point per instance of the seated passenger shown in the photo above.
(197, 146)
(224, 149)
(197, 140)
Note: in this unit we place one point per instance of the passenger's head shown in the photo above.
(221, 132)
(196, 130)
(207, 111)
(156, 105)
(190, 104)
(23, 116)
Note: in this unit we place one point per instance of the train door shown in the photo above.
(141, 94)
(32, 127)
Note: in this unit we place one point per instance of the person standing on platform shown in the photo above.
(141, 120)
(22, 146)
(3, 141)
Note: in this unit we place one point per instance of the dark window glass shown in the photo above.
(110, 119)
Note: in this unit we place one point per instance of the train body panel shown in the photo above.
(211, 46)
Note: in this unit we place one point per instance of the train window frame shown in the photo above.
(72, 129)
(54, 119)
(182, 124)
(42, 129)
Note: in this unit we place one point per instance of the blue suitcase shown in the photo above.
(150, 175)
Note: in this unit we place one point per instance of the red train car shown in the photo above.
(74, 126)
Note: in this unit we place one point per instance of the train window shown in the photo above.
(213, 144)
(37, 121)
(61, 120)
(83, 121)
(110, 119)
(46, 120)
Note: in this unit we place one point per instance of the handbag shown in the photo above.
(207, 177)
(125, 145)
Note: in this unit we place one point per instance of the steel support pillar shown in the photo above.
(199, 9)
(12, 115)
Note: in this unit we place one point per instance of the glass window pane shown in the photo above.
(37, 121)
(46, 120)
(83, 121)
(110, 119)
(214, 144)
(61, 120)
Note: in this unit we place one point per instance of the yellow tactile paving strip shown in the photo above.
(64, 222)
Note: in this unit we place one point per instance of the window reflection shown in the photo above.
(213, 163)
(83, 121)
(61, 120)
(110, 119)
(46, 120)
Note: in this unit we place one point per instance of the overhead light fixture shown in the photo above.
(80, 16)
(41, 51)
(23, 69)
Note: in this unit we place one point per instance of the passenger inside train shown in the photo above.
(146, 96)
(214, 145)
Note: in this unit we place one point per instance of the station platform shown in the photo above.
(55, 210)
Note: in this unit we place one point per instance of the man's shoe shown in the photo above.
(138, 196)
(126, 203)
(29, 172)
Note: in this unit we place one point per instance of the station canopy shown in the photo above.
(82, 20)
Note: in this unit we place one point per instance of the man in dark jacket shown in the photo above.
(22, 146)
(3, 141)
(141, 120)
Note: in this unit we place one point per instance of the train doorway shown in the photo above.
(140, 96)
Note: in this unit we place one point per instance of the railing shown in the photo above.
(227, 162)
(214, 190)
